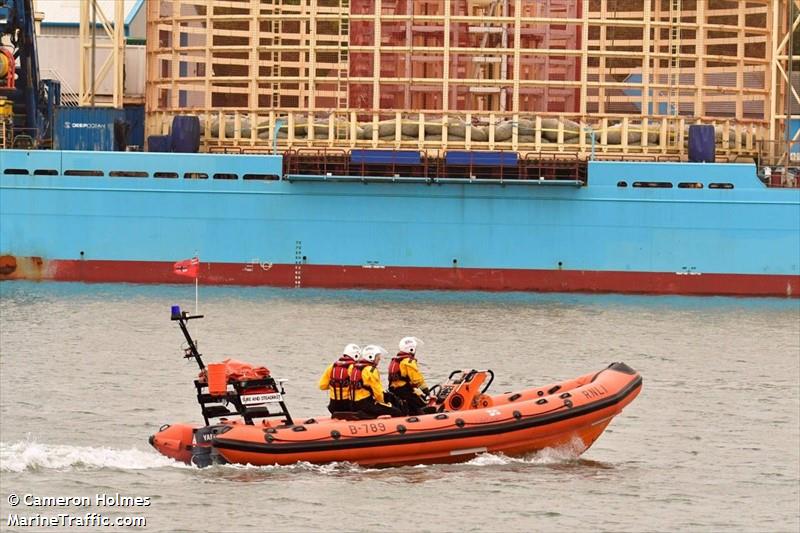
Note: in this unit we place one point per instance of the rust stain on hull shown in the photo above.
(8, 265)
(12, 267)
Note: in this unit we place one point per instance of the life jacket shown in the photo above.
(356, 381)
(340, 376)
(394, 366)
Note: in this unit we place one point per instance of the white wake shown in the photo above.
(562, 454)
(31, 456)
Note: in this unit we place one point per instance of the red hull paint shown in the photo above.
(328, 276)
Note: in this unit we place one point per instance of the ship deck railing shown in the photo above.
(432, 181)
(452, 166)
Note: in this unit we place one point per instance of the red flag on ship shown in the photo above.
(188, 267)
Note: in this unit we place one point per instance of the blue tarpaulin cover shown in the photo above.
(385, 157)
(481, 159)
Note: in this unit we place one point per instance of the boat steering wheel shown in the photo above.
(431, 393)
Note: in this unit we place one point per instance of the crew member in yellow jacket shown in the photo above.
(365, 382)
(336, 379)
(405, 379)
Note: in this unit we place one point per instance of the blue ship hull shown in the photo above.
(81, 216)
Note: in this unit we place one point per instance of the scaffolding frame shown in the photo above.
(401, 73)
(113, 40)
(785, 20)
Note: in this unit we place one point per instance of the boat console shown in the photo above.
(462, 391)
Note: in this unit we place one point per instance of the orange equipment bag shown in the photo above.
(218, 375)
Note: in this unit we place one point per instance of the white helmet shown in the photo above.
(352, 350)
(410, 345)
(372, 353)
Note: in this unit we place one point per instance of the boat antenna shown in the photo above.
(196, 284)
(182, 318)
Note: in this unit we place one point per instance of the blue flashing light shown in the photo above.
(176, 311)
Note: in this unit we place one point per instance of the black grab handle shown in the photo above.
(491, 378)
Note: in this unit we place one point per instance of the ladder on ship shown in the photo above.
(276, 56)
(343, 66)
(4, 131)
(490, 66)
(674, 74)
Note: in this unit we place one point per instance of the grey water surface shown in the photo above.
(88, 372)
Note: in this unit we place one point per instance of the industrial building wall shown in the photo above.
(59, 58)
(593, 63)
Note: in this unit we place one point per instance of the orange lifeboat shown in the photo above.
(466, 421)
(572, 412)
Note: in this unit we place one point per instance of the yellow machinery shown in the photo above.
(6, 114)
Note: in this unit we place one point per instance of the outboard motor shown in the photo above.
(203, 454)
